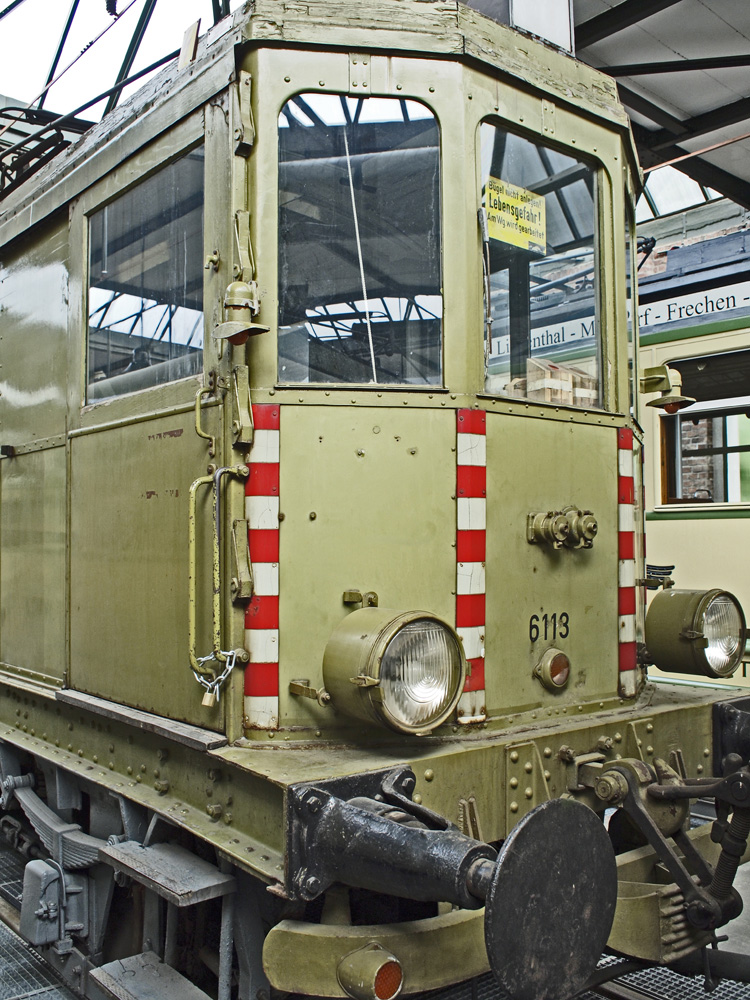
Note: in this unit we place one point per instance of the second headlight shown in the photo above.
(403, 670)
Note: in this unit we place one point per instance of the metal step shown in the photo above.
(170, 871)
(144, 977)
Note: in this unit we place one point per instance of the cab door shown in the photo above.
(155, 236)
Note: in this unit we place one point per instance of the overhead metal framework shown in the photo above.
(682, 72)
(681, 67)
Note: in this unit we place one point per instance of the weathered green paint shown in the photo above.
(129, 565)
(534, 466)
(350, 520)
(108, 483)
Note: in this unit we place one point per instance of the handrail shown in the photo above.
(217, 654)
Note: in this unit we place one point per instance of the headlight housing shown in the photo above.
(404, 670)
(696, 632)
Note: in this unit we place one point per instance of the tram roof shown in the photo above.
(682, 71)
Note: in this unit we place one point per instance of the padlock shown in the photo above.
(209, 698)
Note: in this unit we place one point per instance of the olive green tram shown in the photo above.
(322, 646)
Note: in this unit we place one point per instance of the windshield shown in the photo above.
(359, 241)
(537, 219)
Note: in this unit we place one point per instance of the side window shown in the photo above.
(359, 241)
(706, 446)
(538, 219)
(145, 300)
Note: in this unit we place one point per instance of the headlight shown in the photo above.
(696, 632)
(403, 670)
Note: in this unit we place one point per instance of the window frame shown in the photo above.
(390, 387)
(169, 146)
(587, 159)
(669, 442)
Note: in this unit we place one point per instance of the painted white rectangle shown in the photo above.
(265, 446)
(266, 579)
(627, 628)
(471, 449)
(549, 19)
(471, 513)
(262, 512)
(262, 644)
(470, 578)
(625, 517)
(262, 713)
(628, 683)
(625, 462)
(627, 573)
(472, 637)
(471, 705)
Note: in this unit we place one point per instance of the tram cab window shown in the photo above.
(145, 302)
(538, 222)
(359, 241)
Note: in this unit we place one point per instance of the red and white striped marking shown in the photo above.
(262, 615)
(471, 546)
(626, 596)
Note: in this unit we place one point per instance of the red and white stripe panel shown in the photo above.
(626, 597)
(471, 546)
(262, 615)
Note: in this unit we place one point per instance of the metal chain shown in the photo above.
(214, 686)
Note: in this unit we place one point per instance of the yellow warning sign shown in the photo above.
(515, 215)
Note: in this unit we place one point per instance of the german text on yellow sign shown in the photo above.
(515, 215)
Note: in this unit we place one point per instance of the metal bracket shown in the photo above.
(242, 413)
(244, 269)
(244, 129)
(242, 578)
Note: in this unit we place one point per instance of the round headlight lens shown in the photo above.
(420, 671)
(724, 630)
(405, 670)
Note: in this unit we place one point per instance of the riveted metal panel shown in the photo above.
(129, 565)
(534, 465)
(367, 498)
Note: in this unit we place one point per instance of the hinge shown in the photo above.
(244, 124)
(242, 414)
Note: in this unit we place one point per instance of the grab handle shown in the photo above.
(198, 663)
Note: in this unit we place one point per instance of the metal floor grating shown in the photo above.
(24, 975)
(11, 874)
(661, 984)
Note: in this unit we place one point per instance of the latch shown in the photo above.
(302, 688)
(242, 413)
(369, 599)
(242, 578)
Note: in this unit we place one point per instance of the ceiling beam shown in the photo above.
(10, 7)
(625, 14)
(710, 121)
(699, 169)
(132, 52)
(676, 66)
(58, 53)
(654, 113)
